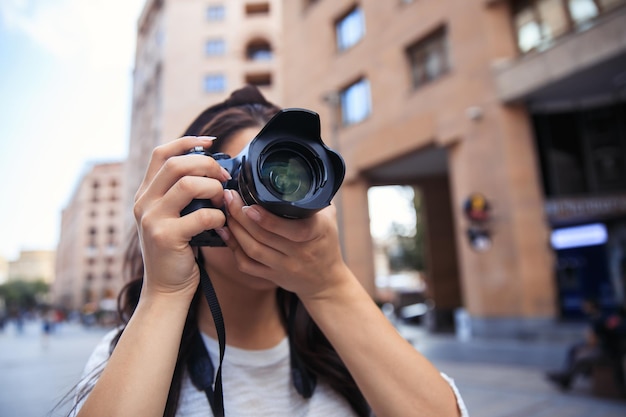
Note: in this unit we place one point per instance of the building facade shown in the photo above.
(4, 270)
(32, 265)
(90, 248)
(191, 54)
(509, 118)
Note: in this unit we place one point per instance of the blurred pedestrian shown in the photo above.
(603, 341)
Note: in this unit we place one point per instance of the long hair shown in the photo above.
(245, 108)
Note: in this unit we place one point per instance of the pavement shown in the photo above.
(506, 377)
(496, 378)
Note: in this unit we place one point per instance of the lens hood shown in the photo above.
(288, 169)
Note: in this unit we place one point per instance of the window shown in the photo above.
(215, 83)
(215, 13)
(428, 58)
(257, 9)
(538, 22)
(92, 236)
(260, 80)
(350, 29)
(582, 10)
(355, 102)
(215, 47)
(259, 50)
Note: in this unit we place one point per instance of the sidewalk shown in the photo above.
(505, 378)
(497, 378)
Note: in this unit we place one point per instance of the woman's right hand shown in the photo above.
(171, 181)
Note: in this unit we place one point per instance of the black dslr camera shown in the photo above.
(286, 169)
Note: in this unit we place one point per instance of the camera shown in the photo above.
(286, 169)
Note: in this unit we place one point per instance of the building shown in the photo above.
(32, 265)
(4, 270)
(188, 57)
(90, 249)
(509, 116)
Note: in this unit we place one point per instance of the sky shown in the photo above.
(65, 95)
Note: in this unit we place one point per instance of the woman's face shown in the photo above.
(220, 261)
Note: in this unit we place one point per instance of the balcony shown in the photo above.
(585, 65)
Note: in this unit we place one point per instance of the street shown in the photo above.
(34, 373)
(495, 378)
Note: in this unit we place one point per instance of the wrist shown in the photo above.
(170, 298)
(345, 286)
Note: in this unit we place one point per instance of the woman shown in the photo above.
(352, 360)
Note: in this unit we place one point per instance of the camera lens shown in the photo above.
(287, 174)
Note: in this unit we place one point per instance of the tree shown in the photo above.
(21, 295)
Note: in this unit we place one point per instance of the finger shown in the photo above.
(237, 211)
(200, 220)
(177, 167)
(188, 188)
(248, 247)
(260, 220)
(162, 153)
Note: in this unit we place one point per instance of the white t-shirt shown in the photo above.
(255, 383)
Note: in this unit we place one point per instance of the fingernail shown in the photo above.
(228, 196)
(252, 213)
(223, 233)
(209, 138)
(226, 175)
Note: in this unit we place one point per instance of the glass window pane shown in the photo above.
(582, 10)
(215, 13)
(528, 30)
(429, 58)
(350, 29)
(215, 47)
(214, 83)
(356, 102)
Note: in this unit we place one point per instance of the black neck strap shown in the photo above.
(201, 368)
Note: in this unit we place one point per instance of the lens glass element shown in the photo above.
(287, 174)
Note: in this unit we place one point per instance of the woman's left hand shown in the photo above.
(299, 255)
(304, 256)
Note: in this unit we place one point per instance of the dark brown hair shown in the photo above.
(244, 108)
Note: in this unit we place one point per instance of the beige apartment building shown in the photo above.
(510, 118)
(191, 54)
(32, 265)
(91, 243)
(4, 270)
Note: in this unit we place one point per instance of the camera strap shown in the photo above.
(199, 365)
(201, 369)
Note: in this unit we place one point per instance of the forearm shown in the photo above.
(137, 377)
(394, 378)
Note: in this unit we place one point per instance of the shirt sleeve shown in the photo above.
(459, 400)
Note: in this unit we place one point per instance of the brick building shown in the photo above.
(509, 116)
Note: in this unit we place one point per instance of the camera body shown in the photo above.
(286, 168)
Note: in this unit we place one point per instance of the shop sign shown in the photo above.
(564, 209)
